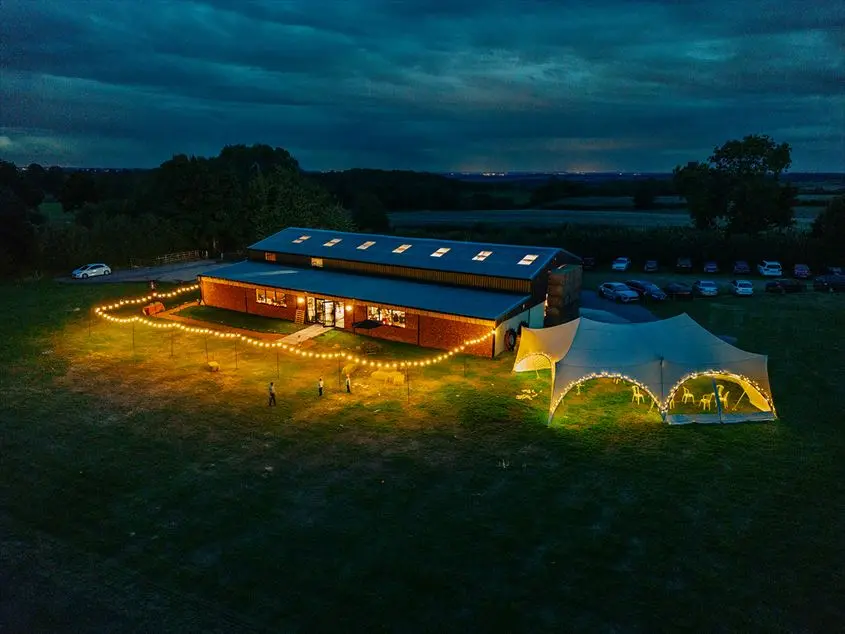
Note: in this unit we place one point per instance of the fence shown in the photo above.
(169, 258)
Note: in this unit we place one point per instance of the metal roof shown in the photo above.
(501, 260)
(466, 302)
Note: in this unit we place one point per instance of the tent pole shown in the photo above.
(718, 400)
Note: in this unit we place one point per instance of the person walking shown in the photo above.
(348, 385)
(320, 387)
(272, 393)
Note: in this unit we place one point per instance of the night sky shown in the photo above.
(468, 85)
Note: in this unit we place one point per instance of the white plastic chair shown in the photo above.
(706, 401)
(688, 396)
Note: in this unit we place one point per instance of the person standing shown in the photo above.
(272, 393)
(320, 387)
(348, 385)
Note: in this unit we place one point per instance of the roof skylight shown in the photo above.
(440, 252)
(482, 255)
(332, 242)
(301, 239)
(366, 245)
(402, 248)
(528, 259)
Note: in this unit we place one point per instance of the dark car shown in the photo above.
(650, 266)
(711, 267)
(785, 285)
(801, 272)
(678, 290)
(834, 270)
(589, 263)
(829, 283)
(647, 290)
(741, 268)
(683, 265)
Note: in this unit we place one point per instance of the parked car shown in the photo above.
(801, 272)
(711, 267)
(650, 266)
(742, 288)
(785, 285)
(705, 288)
(618, 292)
(621, 264)
(589, 263)
(834, 270)
(678, 290)
(683, 265)
(741, 268)
(829, 283)
(91, 270)
(770, 268)
(647, 290)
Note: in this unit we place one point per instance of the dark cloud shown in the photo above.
(426, 84)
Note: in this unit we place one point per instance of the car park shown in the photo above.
(742, 288)
(801, 272)
(651, 266)
(830, 283)
(589, 263)
(785, 285)
(711, 267)
(683, 265)
(647, 290)
(705, 288)
(91, 270)
(741, 268)
(618, 292)
(770, 268)
(621, 264)
(678, 290)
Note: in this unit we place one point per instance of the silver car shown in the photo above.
(742, 288)
(91, 270)
(618, 292)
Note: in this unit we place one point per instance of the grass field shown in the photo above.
(140, 493)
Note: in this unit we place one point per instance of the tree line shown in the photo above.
(226, 202)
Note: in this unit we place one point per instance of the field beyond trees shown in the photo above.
(139, 492)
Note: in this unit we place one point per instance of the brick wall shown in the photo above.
(422, 330)
(242, 299)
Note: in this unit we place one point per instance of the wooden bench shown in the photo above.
(213, 366)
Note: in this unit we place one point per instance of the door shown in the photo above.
(327, 317)
(338, 316)
(311, 310)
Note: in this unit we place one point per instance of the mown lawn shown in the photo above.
(237, 319)
(139, 492)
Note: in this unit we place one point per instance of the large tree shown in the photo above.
(740, 187)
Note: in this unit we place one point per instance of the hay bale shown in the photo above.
(389, 376)
(213, 366)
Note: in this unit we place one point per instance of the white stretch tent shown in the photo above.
(658, 356)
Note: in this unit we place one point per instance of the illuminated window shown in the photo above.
(366, 245)
(301, 239)
(332, 242)
(482, 255)
(440, 252)
(270, 297)
(318, 262)
(402, 248)
(387, 316)
(270, 257)
(528, 259)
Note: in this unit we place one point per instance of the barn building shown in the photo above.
(431, 293)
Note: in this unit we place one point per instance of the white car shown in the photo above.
(91, 270)
(705, 288)
(770, 268)
(742, 288)
(619, 292)
(621, 264)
